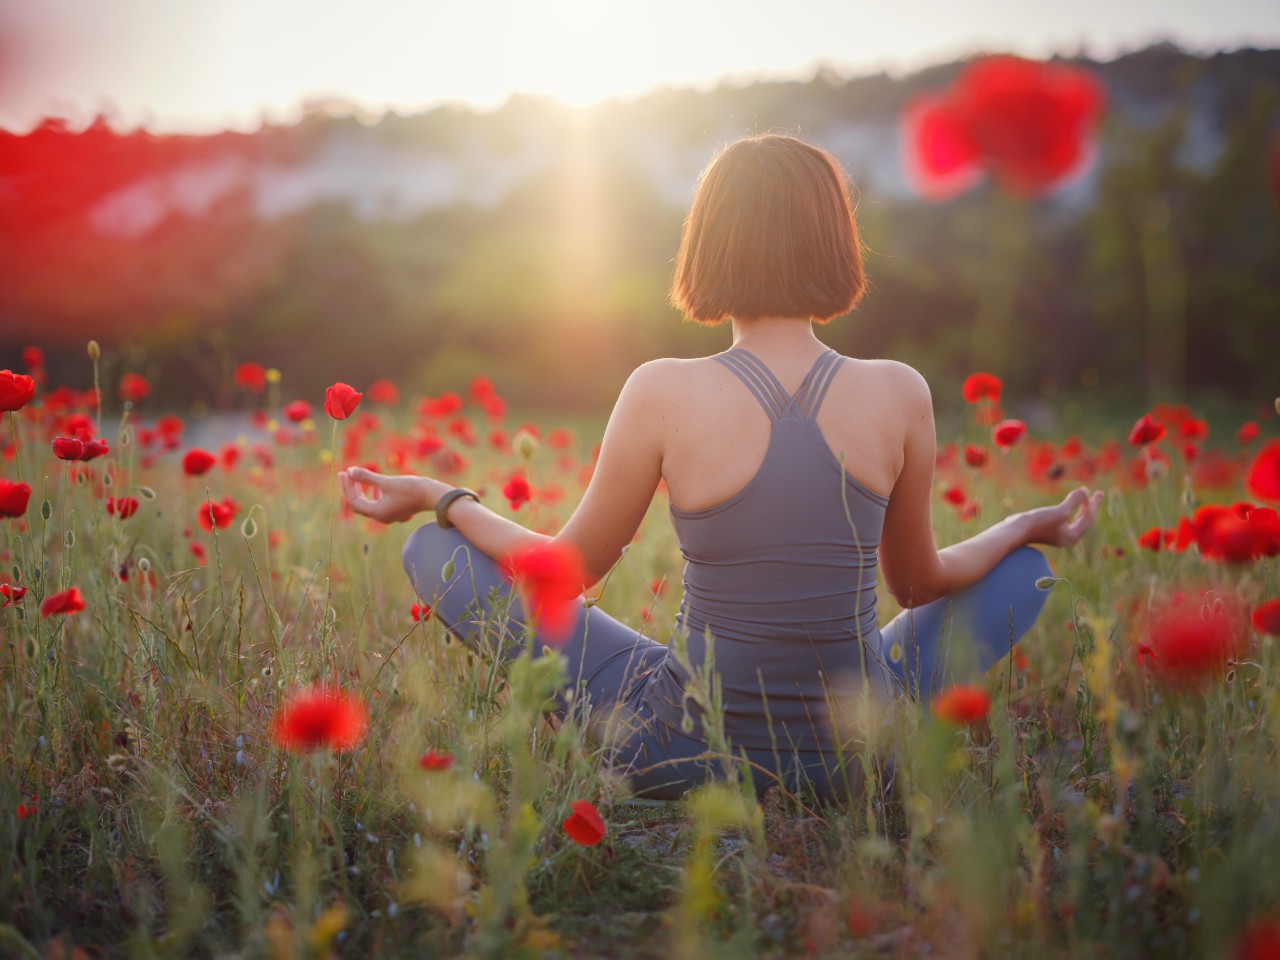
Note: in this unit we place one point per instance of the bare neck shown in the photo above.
(786, 336)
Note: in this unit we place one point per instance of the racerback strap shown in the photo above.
(767, 389)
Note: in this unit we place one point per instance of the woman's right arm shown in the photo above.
(915, 570)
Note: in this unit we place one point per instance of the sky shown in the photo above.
(203, 65)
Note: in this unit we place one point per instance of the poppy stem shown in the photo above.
(17, 458)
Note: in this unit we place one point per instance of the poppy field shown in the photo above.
(233, 730)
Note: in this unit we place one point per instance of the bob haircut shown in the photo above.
(771, 234)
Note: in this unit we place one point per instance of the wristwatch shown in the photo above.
(445, 502)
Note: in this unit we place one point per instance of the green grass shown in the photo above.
(1093, 813)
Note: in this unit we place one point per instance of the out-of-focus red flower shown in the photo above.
(1008, 432)
(220, 515)
(1191, 639)
(16, 390)
(122, 508)
(68, 448)
(954, 495)
(11, 594)
(1072, 447)
(341, 400)
(495, 408)
(33, 357)
(559, 439)
(1260, 939)
(27, 810)
(435, 760)
(1263, 478)
(251, 376)
(585, 825)
(14, 498)
(297, 411)
(517, 491)
(134, 387)
(974, 455)
(198, 462)
(444, 405)
(1266, 618)
(1240, 533)
(481, 387)
(384, 392)
(1145, 431)
(68, 601)
(230, 455)
(420, 611)
(962, 704)
(982, 386)
(1193, 428)
(1249, 431)
(1152, 540)
(1029, 123)
(94, 449)
(320, 718)
(551, 576)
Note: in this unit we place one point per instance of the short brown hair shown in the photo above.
(771, 234)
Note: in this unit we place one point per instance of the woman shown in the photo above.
(792, 473)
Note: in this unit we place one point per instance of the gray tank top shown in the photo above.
(782, 575)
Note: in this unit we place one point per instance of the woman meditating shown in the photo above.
(793, 474)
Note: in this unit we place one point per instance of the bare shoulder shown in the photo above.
(892, 378)
(667, 378)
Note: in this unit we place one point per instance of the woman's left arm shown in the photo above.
(621, 488)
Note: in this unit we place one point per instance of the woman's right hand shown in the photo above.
(396, 498)
(1064, 524)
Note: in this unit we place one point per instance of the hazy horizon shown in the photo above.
(235, 65)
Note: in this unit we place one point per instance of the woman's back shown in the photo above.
(781, 571)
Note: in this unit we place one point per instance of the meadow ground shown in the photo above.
(1113, 792)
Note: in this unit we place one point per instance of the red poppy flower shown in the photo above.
(954, 495)
(1146, 430)
(11, 594)
(517, 491)
(33, 357)
(341, 400)
(962, 704)
(198, 462)
(16, 390)
(1249, 431)
(434, 760)
(585, 825)
(1152, 540)
(68, 448)
(297, 411)
(974, 455)
(551, 575)
(982, 386)
(27, 810)
(420, 611)
(252, 376)
(14, 498)
(495, 408)
(1263, 478)
(94, 449)
(1008, 432)
(68, 601)
(134, 387)
(320, 718)
(1193, 428)
(1260, 939)
(481, 387)
(1266, 618)
(444, 405)
(123, 507)
(1028, 123)
(559, 439)
(1236, 534)
(384, 392)
(220, 515)
(1191, 639)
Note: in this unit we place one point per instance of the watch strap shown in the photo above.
(446, 501)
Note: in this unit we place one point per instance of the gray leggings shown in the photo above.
(609, 662)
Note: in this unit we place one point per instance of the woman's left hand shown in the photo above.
(396, 499)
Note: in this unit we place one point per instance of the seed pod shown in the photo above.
(46, 509)
(448, 570)
(525, 445)
(144, 565)
(1046, 583)
(95, 351)
(147, 493)
(249, 529)
(71, 538)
